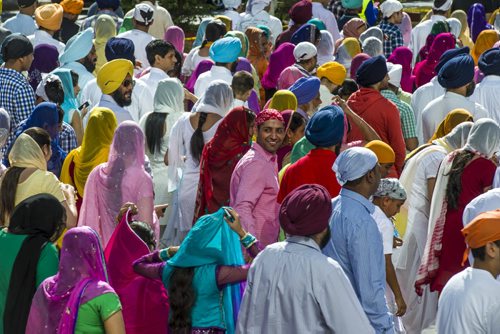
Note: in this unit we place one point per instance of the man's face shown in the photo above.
(270, 135)
(398, 17)
(168, 62)
(90, 60)
(27, 62)
(384, 84)
(123, 95)
(316, 102)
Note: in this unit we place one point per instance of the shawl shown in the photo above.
(280, 59)
(403, 56)
(451, 120)
(425, 70)
(485, 41)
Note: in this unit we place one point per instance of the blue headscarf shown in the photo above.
(70, 101)
(200, 34)
(306, 33)
(211, 242)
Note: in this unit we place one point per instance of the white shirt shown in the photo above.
(488, 201)
(470, 303)
(43, 37)
(161, 20)
(320, 12)
(325, 96)
(192, 60)
(487, 94)
(151, 79)
(215, 73)
(21, 23)
(419, 34)
(140, 39)
(436, 111)
(385, 227)
(263, 17)
(234, 16)
(121, 114)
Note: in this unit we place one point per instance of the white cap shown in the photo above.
(144, 13)
(304, 51)
(395, 72)
(390, 7)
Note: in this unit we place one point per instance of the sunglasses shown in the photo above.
(127, 83)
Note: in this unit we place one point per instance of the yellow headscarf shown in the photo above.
(485, 41)
(94, 150)
(283, 100)
(226, 20)
(453, 118)
(385, 154)
(465, 33)
(112, 74)
(333, 71)
(26, 153)
(105, 28)
(352, 46)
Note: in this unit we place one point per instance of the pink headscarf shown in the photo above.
(406, 28)
(280, 59)
(403, 56)
(175, 35)
(356, 63)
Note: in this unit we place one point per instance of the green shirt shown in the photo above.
(10, 244)
(92, 314)
(405, 112)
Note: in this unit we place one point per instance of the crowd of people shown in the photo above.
(334, 172)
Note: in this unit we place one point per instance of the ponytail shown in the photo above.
(197, 141)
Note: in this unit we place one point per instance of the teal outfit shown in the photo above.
(300, 149)
(70, 103)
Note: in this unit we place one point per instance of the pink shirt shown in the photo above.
(254, 190)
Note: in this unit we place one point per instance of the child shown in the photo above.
(388, 199)
(242, 86)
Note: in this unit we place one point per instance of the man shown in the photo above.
(49, 18)
(257, 12)
(486, 92)
(161, 19)
(392, 11)
(332, 75)
(381, 114)
(405, 111)
(306, 58)
(385, 156)
(80, 56)
(320, 299)
(69, 27)
(254, 183)
(457, 77)
(306, 90)
(104, 7)
(232, 9)
(23, 22)
(299, 14)
(440, 10)
(16, 95)
(161, 56)
(356, 243)
(224, 52)
(352, 9)
(319, 11)
(324, 130)
(469, 302)
(142, 20)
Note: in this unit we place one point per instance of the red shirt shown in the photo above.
(314, 168)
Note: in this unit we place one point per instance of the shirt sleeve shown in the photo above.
(106, 305)
(51, 185)
(48, 263)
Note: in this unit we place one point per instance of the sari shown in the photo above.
(70, 104)
(45, 60)
(105, 28)
(453, 118)
(81, 277)
(464, 32)
(256, 54)
(403, 56)
(175, 35)
(476, 19)
(280, 59)
(485, 41)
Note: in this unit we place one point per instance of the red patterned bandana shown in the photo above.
(266, 115)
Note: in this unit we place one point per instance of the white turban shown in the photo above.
(390, 7)
(373, 47)
(231, 4)
(256, 6)
(372, 32)
(353, 163)
(395, 72)
(444, 7)
(304, 51)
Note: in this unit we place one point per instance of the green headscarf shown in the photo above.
(300, 149)
(243, 39)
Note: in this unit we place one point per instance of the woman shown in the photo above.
(295, 127)
(354, 28)
(455, 27)
(485, 41)
(202, 67)
(202, 286)
(373, 47)
(121, 179)
(283, 100)
(243, 39)
(347, 50)
(105, 28)
(464, 33)
(4, 134)
(200, 33)
(437, 28)
(307, 33)
(175, 35)
(45, 60)
(280, 59)
(156, 125)
(187, 139)
(406, 28)
(476, 19)
(403, 56)
(220, 155)
(258, 49)
(78, 299)
(93, 151)
(463, 175)
(325, 48)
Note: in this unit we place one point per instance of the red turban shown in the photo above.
(267, 115)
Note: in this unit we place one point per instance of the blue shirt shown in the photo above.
(22, 24)
(356, 244)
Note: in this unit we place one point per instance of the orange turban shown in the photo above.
(72, 6)
(483, 229)
(385, 153)
(49, 16)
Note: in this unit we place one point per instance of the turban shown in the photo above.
(352, 4)
(301, 12)
(225, 50)
(143, 13)
(326, 127)
(24, 3)
(49, 16)
(305, 89)
(112, 74)
(354, 163)
(283, 100)
(72, 6)
(269, 114)
(16, 46)
(483, 229)
(333, 71)
(390, 7)
(489, 62)
(320, 25)
(304, 51)
(231, 4)
(371, 71)
(113, 4)
(395, 72)
(306, 210)
(457, 72)
(391, 188)
(450, 54)
(77, 46)
(356, 63)
(373, 47)
(385, 153)
(119, 48)
(442, 5)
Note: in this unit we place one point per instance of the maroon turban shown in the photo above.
(301, 12)
(306, 210)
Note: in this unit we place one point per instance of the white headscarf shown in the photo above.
(390, 7)
(325, 48)
(4, 126)
(40, 89)
(217, 99)
(484, 138)
(457, 137)
(256, 6)
(455, 26)
(373, 47)
(169, 99)
(372, 32)
(231, 4)
(353, 163)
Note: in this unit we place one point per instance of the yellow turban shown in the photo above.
(49, 16)
(383, 151)
(72, 6)
(111, 75)
(483, 229)
(333, 71)
(283, 100)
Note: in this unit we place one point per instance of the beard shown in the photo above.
(325, 239)
(89, 64)
(120, 99)
(469, 90)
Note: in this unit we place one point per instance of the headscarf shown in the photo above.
(175, 35)
(403, 56)
(451, 120)
(455, 26)
(326, 127)
(350, 29)
(325, 48)
(356, 63)
(306, 33)
(318, 23)
(254, 7)
(243, 39)
(300, 149)
(373, 47)
(354, 163)
(81, 277)
(385, 154)
(45, 60)
(218, 160)
(476, 19)
(395, 71)
(169, 98)
(70, 101)
(226, 20)
(484, 138)
(405, 27)
(26, 153)
(38, 217)
(4, 126)
(283, 100)
(348, 49)
(217, 99)
(40, 90)
(372, 32)
(280, 59)
(481, 230)
(333, 71)
(202, 67)
(464, 33)
(256, 56)
(392, 188)
(112, 74)
(77, 47)
(49, 16)
(300, 12)
(200, 34)
(438, 27)
(485, 41)
(105, 28)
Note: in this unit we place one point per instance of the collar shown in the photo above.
(158, 71)
(220, 69)
(388, 92)
(304, 241)
(301, 69)
(451, 95)
(260, 150)
(370, 207)
(482, 273)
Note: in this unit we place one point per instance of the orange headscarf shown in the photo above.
(72, 6)
(453, 118)
(485, 41)
(483, 229)
(256, 55)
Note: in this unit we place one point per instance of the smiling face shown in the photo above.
(270, 135)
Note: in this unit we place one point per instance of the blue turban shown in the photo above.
(371, 71)
(305, 89)
(119, 48)
(354, 163)
(489, 62)
(326, 127)
(449, 54)
(113, 4)
(457, 72)
(225, 50)
(77, 47)
(306, 33)
(352, 4)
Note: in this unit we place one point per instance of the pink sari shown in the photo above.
(403, 56)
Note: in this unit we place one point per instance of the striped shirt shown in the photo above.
(405, 112)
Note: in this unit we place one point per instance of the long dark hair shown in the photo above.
(197, 141)
(454, 186)
(181, 299)
(155, 129)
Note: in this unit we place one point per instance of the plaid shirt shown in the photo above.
(67, 138)
(16, 97)
(393, 37)
(405, 112)
(335, 6)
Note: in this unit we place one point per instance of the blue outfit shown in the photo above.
(70, 102)
(356, 244)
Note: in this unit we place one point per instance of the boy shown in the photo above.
(242, 86)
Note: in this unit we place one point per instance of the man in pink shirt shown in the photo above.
(254, 183)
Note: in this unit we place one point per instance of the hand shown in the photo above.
(172, 250)
(70, 193)
(125, 207)
(401, 307)
(397, 242)
(189, 96)
(236, 224)
(340, 102)
(84, 112)
(160, 210)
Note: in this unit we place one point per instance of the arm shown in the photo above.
(77, 125)
(411, 143)
(430, 188)
(70, 205)
(394, 285)
(150, 265)
(115, 324)
(395, 136)
(367, 131)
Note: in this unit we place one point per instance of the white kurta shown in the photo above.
(234, 16)
(141, 40)
(215, 73)
(419, 34)
(263, 17)
(151, 79)
(121, 114)
(487, 93)
(320, 12)
(436, 111)
(43, 37)
(325, 96)
(161, 20)
(192, 60)
(470, 303)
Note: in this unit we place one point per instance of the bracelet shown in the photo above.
(248, 240)
(164, 255)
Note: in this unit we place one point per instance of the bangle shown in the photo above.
(248, 240)
(164, 254)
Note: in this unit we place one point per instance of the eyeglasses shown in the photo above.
(127, 83)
